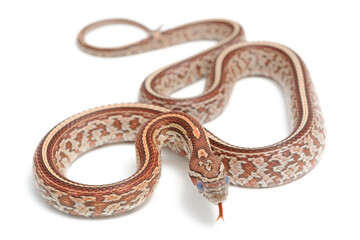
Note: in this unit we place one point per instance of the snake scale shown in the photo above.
(159, 120)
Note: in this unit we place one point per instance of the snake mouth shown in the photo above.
(218, 199)
(216, 195)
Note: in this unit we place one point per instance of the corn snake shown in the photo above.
(162, 121)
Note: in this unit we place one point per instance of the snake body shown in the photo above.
(162, 121)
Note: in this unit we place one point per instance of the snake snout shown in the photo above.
(218, 195)
(219, 199)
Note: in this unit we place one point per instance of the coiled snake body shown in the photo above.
(175, 123)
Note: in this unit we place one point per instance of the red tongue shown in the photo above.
(221, 215)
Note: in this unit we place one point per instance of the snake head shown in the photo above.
(208, 175)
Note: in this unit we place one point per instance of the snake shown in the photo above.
(159, 120)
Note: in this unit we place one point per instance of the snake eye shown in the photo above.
(227, 180)
(200, 186)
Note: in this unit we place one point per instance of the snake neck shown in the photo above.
(176, 130)
(183, 134)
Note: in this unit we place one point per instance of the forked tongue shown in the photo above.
(221, 215)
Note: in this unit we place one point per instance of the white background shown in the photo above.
(45, 78)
